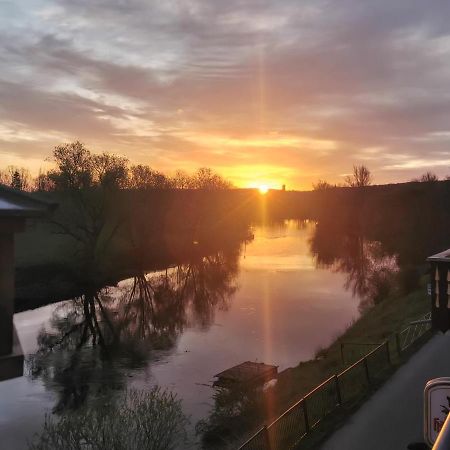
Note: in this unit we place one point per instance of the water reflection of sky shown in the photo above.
(283, 311)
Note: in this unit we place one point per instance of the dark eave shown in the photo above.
(440, 257)
(15, 203)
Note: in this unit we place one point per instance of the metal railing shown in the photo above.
(352, 351)
(414, 331)
(303, 416)
(294, 424)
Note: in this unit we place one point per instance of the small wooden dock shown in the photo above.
(246, 373)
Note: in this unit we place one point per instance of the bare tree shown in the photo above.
(90, 214)
(74, 166)
(181, 180)
(17, 177)
(205, 178)
(322, 185)
(78, 168)
(43, 182)
(144, 177)
(361, 177)
(110, 170)
(427, 177)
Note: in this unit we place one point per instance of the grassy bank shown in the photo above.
(378, 324)
(375, 326)
(97, 238)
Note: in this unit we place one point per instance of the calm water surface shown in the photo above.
(277, 307)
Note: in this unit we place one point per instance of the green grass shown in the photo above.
(335, 420)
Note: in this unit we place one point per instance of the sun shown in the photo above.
(263, 189)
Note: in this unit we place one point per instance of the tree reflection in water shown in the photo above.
(94, 339)
(370, 269)
(370, 275)
(74, 355)
(157, 308)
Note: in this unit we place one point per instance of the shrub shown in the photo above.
(141, 420)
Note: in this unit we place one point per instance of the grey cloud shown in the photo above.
(373, 64)
(51, 111)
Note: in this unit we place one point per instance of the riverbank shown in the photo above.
(375, 326)
(49, 268)
(218, 321)
(379, 324)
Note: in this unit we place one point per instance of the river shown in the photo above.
(270, 300)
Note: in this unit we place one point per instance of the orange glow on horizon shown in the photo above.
(245, 176)
(263, 189)
(260, 140)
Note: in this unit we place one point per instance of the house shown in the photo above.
(15, 208)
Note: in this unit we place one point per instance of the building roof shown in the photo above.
(440, 257)
(15, 203)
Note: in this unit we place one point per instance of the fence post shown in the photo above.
(338, 390)
(366, 368)
(305, 413)
(397, 341)
(265, 431)
(342, 354)
(388, 354)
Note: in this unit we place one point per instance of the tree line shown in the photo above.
(76, 167)
(362, 176)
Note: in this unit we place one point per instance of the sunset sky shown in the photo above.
(273, 92)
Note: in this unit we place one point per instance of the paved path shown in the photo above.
(393, 417)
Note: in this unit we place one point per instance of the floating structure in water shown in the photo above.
(246, 374)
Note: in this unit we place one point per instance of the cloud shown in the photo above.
(311, 85)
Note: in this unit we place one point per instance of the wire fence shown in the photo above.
(293, 425)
